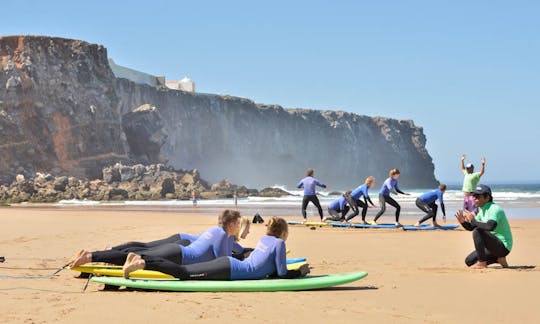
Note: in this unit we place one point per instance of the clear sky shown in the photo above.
(468, 72)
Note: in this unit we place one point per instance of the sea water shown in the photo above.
(518, 200)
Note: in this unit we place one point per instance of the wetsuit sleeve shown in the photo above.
(222, 247)
(322, 185)
(490, 225)
(281, 259)
(237, 248)
(398, 190)
(366, 199)
(443, 209)
(468, 226)
(300, 184)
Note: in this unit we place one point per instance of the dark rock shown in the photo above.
(60, 183)
(335, 193)
(273, 192)
(167, 187)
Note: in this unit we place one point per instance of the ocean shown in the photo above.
(518, 200)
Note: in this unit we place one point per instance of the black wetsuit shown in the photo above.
(175, 238)
(315, 200)
(487, 246)
(383, 199)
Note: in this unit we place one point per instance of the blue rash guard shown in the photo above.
(431, 196)
(213, 243)
(360, 191)
(269, 257)
(236, 247)
(309, 184)
(189, 237)
(338, 204)
(388, 186)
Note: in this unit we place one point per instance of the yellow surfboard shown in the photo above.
(316, 224)
(116, 271)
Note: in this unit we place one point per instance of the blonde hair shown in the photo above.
(442, 186)
(309, 172)
(370, 179)
(276, 227)
(393, 172)
(244, 223)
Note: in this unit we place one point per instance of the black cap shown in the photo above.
(482, 189)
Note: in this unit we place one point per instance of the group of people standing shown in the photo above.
(491, 231)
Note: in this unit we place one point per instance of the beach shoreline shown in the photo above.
(413, 276)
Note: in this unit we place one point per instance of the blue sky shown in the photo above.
(468, 72)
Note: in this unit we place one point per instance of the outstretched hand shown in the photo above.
(460, 217)
(304, 270)
(483, 160)
(463, 156)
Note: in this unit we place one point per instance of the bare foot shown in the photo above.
(133, 262)
(373, 223)
(502, 262)
(435, 224)
(417, 224)
(479, 265)
(80, 258)
(398, 224)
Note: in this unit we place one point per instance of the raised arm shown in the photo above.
(300, 184)
(483, 167)
(463, 156)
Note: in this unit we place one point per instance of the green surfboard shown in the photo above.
(307, 283)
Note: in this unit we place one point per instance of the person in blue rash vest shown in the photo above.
(426, 203)
(267, 260)
(309, 183)
(337, 206)
(389, 185)
(361, 191)
(211, 244)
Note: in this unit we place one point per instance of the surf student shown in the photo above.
(390, 185)
(492, 235)
(470, 180)
(339, 208)
(267, 259)
(213, 243)
(361, 191)
(180, 238)
(426, 203)
(309, 184)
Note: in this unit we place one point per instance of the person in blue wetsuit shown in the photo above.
(426, 203)
(389, 185)
(213, 243)
(268, 259)
(361, 191)
(310, 195)
(339, 208)
(181, 238)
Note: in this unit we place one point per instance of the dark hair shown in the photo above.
(442, 186)
(228, 216)
(309, 172)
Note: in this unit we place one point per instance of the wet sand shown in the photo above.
(413, 276)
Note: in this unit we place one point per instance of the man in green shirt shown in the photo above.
(470, 180)
(491, 231)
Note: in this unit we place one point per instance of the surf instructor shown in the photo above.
(491, 231)
(470, 180)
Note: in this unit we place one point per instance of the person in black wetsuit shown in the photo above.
(215, 242)
(361, 191)
(268, 259)
(492, 235)
(426, 203)
(389, 185)
(310, 195)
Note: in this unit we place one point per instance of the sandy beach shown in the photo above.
(413, 276)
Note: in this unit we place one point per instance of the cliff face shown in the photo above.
(57, 107)
(222, 136)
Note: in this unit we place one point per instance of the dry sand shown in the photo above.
(413, 276)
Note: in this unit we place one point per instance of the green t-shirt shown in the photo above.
(470, 181)
(490, 211)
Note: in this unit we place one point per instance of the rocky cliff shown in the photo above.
(63, 111)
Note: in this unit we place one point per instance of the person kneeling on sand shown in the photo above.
(491, 231)
(268, 259)
(341, 205)
(426, 203)
(214, 243)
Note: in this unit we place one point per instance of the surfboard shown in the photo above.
(116, 271)
(448, 227)
(360, 225)
(308, 223)
(307, 283)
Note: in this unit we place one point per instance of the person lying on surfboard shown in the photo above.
(268, 259)
(215, 242)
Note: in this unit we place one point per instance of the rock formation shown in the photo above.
(62, 111)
